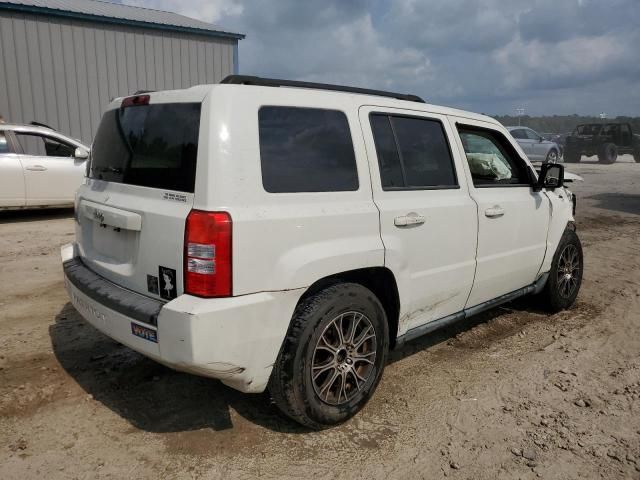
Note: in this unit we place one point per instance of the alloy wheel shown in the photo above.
(568, 271)
(344, 358)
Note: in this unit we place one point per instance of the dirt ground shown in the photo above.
(515, 393)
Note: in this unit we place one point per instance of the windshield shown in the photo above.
(148, 145)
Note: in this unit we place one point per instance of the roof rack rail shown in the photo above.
(273, 82)
(142, 92)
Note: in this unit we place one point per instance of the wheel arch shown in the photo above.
(557, 227)
(380, 280)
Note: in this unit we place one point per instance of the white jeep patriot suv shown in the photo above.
(281, 234)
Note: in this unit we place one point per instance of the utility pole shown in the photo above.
(520, 112)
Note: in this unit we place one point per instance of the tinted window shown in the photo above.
(388, 158)
(492, 160)
(306, 150)
(588, 129)
(412, 152)
(519, 134)
(4, 145)
(425, 153)
(151, 146)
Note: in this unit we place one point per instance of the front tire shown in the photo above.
(636, 156)
(333, 356)
(608, 154)
(552, 156)
(565, 277)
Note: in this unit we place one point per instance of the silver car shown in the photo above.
(535, 146)
(39, 167)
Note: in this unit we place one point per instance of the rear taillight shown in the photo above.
(207, 254)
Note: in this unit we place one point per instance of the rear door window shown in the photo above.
(413, 153)
(306, 150)
(148, 145)
(387, 150)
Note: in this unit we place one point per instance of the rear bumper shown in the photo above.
(235, 339)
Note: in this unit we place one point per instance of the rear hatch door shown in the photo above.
(131, 212)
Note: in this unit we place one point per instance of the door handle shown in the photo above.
(408, 220)
(36, 168)
(495, 211)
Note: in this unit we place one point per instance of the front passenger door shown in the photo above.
(513, 219)
(521, 137)
(538, 148)
(52, 174)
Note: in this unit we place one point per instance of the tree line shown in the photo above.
(562, 123)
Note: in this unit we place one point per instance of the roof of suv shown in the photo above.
(376, 97)
(266, 86)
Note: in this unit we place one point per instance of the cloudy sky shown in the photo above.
(490, 56)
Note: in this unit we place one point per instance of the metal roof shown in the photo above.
(101, 11)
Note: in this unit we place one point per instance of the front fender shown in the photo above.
(561, 214)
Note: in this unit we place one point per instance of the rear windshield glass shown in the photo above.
(151, 146)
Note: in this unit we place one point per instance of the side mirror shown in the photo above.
(551, 176)
(81, 154)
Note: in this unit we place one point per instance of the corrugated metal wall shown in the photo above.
(63, 72)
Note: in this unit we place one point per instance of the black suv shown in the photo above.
(606, 140)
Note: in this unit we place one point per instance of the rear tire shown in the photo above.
(608, 153)
(636, 156)
(565, 277)
(323, 376)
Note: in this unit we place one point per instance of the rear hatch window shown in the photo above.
(148, 145)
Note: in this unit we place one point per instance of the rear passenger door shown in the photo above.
(513, 219)
(428, 222)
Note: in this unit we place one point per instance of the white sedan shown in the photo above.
(39, 167)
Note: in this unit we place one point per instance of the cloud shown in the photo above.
(208, 11)
(549, 56)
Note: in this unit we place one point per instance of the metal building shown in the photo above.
(62, 61)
